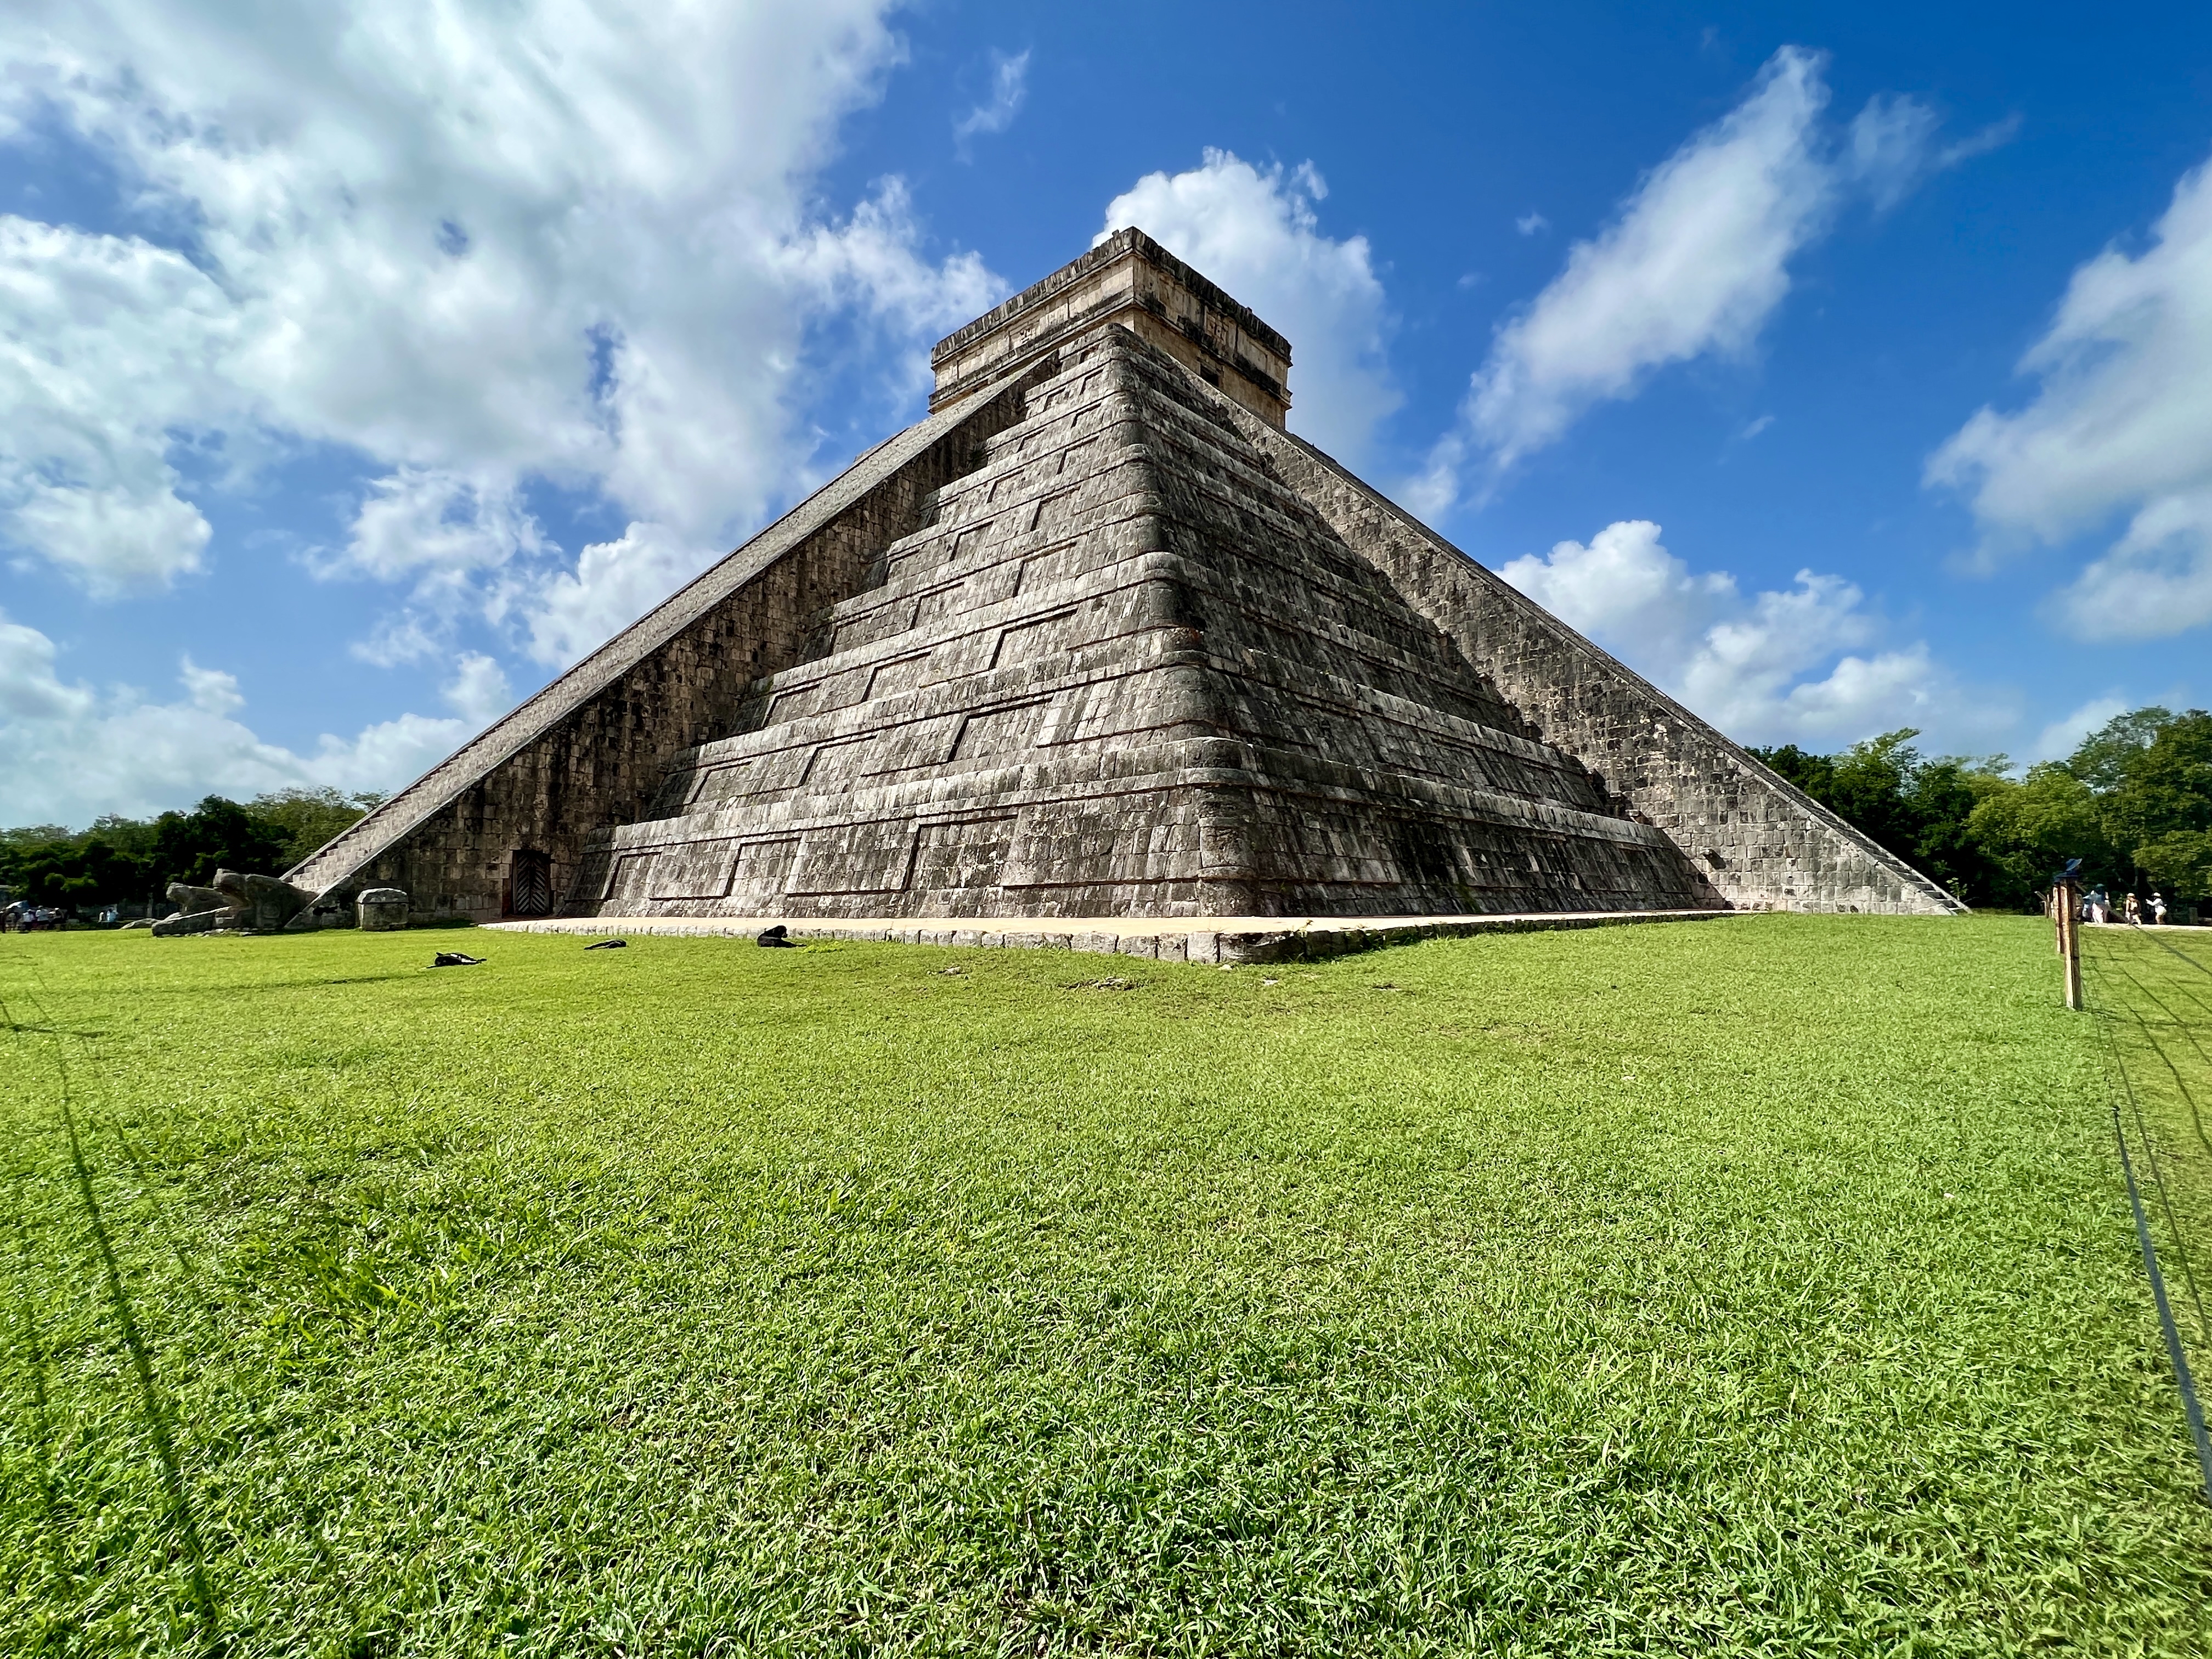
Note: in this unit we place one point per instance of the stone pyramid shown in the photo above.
(1100, 639)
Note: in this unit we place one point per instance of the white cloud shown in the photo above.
(2155, 580)
(1890, 144)
(420, 522)
(478, 692)
(70, 751)
(210, 691)
(1529, 223)
(1787, 666)
(2063, 736)
(1256, 234)
(566, 240)
(1696, 262)
(1891, 148)
(1693, 264)
(1009, 89)
(106, 355)
(614, 584)
(2117, 426)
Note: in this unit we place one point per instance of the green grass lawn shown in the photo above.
(1763, 1285)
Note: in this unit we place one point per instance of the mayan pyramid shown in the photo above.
(1100, 638)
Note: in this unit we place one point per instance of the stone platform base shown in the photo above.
(1210, 939)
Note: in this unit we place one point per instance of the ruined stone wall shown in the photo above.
(590, 751)
(1762, 843)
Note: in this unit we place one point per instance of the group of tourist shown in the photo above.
(2097, 906)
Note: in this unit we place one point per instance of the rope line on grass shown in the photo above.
(2195, 1112)
(2190, 1407)
(2182, 987)
(196, 1281)
(2164, 946)
(2169, 1328)
(2186, 988)
(2107, 1019)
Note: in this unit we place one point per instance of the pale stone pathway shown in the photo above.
(1212, 939)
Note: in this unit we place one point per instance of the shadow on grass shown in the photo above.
(153, 1406)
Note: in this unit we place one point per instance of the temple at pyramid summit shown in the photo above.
(1100, 639)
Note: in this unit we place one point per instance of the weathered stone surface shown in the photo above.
(192, 900)
(264, 903)
(1099, 639)
(382, 910)
(588, 751)
(1761, 842)
(1131, 279)
(1127, 670)
(195, 921)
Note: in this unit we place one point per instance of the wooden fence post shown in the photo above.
(2070, 940)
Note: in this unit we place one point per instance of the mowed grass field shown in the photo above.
(1757, 1285)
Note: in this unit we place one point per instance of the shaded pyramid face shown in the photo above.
(1125, 669)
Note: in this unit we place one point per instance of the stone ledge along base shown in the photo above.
(1215, 940)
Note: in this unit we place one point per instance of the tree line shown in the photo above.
(2133, 802)
(122, 860)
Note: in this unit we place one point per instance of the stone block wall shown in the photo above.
(1097, 640)
(1762, 843)
(590, 750)
(1123, 669)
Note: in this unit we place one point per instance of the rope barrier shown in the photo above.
(2171, 948)
(2107, 1016)
(2192, 1409)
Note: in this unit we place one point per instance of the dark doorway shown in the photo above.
(529, 882)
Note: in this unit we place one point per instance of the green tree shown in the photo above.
(217, 835)
(2026, 830)
(2164, 786)
(2179, 862)
(310, 817)
(1919, 808)
(121, 860)
(2104, 757)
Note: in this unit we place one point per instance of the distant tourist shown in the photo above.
(2157, 910)
(2134, 912)
(2101, 904)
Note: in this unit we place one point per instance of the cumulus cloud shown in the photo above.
(1010, 78)
(1802, 665)
(1693, 264)
(478, 692)
(568, 240)
(2116, 428)
(613, 584)
(1258, 234)
(423, 521)
(70, 751)
(2063, 736)
(107, 349)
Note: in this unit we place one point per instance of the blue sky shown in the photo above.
(1840, 368)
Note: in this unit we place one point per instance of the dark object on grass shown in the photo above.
(775, 938)
(609, 945)
(456, 959)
